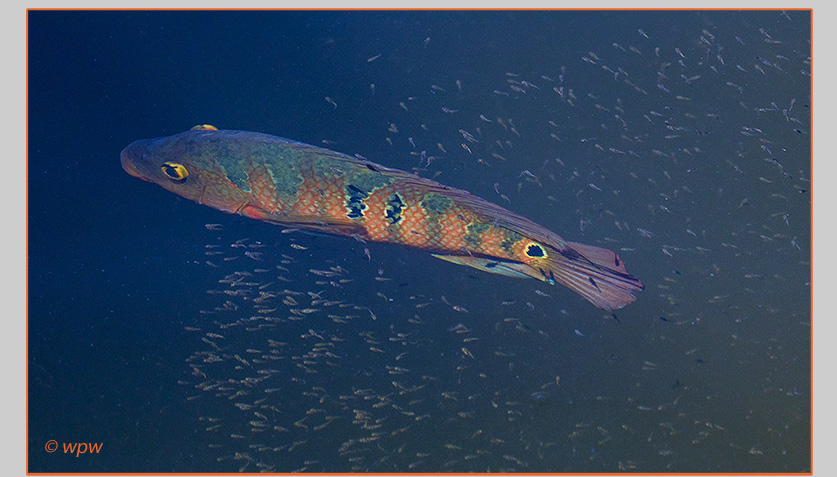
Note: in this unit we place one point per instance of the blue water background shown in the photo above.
(678, 139)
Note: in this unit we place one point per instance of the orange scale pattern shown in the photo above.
(374, 219)
(451, 231)
(418, 227)
(330, 202)
(307, 194)
(263, 189)
(417, 230)
(491, 243)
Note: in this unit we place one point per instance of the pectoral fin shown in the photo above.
(490, 265)
(325, 224)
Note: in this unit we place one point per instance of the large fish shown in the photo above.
(306, 187)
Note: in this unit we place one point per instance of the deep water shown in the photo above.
(679, 139)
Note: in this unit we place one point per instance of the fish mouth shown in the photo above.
(128, 165)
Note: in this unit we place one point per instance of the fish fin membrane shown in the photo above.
(597, 274)
(509, 269)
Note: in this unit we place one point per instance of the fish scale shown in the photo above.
(306, 187)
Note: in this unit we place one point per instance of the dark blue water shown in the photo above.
(679, 139)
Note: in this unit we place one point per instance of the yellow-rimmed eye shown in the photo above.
(535, 251)
(174, 171)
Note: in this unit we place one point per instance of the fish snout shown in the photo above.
(128, 164)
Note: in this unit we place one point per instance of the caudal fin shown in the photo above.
(597, 274)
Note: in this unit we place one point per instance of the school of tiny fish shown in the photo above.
(315, 354)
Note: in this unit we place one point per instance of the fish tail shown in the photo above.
(597, 274)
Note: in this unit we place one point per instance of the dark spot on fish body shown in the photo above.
(475, 231)
(354, 201)
(535, 250)
(394, 208)
(436, 203)
(511, 239)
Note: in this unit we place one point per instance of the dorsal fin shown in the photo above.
(204, 127)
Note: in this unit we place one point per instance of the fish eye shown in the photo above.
(174, 171)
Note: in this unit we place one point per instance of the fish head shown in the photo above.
(188, 165)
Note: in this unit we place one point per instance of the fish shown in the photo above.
(304, 187)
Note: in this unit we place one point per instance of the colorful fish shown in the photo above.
(300, 186)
